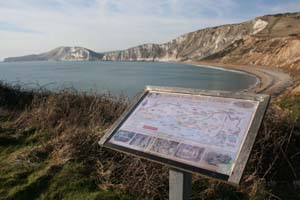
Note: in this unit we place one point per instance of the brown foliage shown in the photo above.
(76, 121)
(12, 97)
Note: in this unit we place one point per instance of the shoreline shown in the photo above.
(270, 81)
(258, 79)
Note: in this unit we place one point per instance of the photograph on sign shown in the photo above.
(206, 132)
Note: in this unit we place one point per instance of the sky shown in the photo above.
(36, 26)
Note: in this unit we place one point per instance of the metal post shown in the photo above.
(180, 185)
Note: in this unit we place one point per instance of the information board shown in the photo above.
(198, 131)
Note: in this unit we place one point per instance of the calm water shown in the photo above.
(120, 77)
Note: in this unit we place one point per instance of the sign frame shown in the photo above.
(243, 156)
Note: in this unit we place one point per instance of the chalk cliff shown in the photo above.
(271, 40)
(194, 45)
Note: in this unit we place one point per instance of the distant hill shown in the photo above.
(61, 54)
(270, 40)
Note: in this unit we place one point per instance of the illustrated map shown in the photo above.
(202, 131)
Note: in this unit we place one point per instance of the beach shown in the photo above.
(271, 80)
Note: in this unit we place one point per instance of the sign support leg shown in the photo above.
(180, 185)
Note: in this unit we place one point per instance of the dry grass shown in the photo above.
(71, 123)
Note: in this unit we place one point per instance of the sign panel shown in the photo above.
(189, 129)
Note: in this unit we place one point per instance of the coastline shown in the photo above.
(270, 81)
(258, 79)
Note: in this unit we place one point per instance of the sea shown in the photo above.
(126, 78)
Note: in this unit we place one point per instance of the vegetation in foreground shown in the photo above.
(49, 150)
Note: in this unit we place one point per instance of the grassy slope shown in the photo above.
(27, 171)
(29, 168)
(49, 150)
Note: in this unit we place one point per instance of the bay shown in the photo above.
(127, 78)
